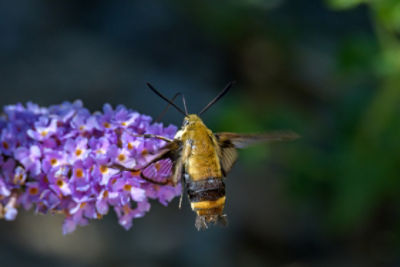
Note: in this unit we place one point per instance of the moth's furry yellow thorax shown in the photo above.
(203, 161)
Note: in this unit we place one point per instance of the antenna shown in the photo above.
(184, 104)
(221, 94)
(167, 107)
(167, 100)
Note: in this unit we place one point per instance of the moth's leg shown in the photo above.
(183, 186)
(153, 136)
(181, 197)
(161, 156)
(187, 149)
(122, 168)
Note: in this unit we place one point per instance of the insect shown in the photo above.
(201, 159)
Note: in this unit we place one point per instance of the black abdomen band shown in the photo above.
(209, 189)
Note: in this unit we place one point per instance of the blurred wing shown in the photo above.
(245, 140)
(228, 154)
(228, 142)
(228, 158)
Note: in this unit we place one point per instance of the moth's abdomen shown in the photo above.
(210, 189)
(207, 199)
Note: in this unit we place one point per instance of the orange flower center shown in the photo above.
(130, 146)
(33, 190)
(121, 157)
(145, 152)
(79, 173)
(60, 183)
(5, 145)
(78, 152)
(127, 187)
(106, 125)
(53, 162)
(44, 133)
(103, 169)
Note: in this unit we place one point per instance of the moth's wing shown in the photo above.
(245, 140)
(174, 154)
(228, 155)
(228, 142)
(166, 163)
(158, 172)
(160, 165)
(169, 151)
(177, 171)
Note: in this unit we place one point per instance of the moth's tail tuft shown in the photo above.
(202, 221)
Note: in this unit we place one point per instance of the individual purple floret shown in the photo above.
(62, 159)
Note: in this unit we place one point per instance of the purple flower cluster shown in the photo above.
(57, 160)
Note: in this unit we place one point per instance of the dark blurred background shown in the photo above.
(329, 70)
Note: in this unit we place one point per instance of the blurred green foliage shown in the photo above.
(343, 4)
(346, 165)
